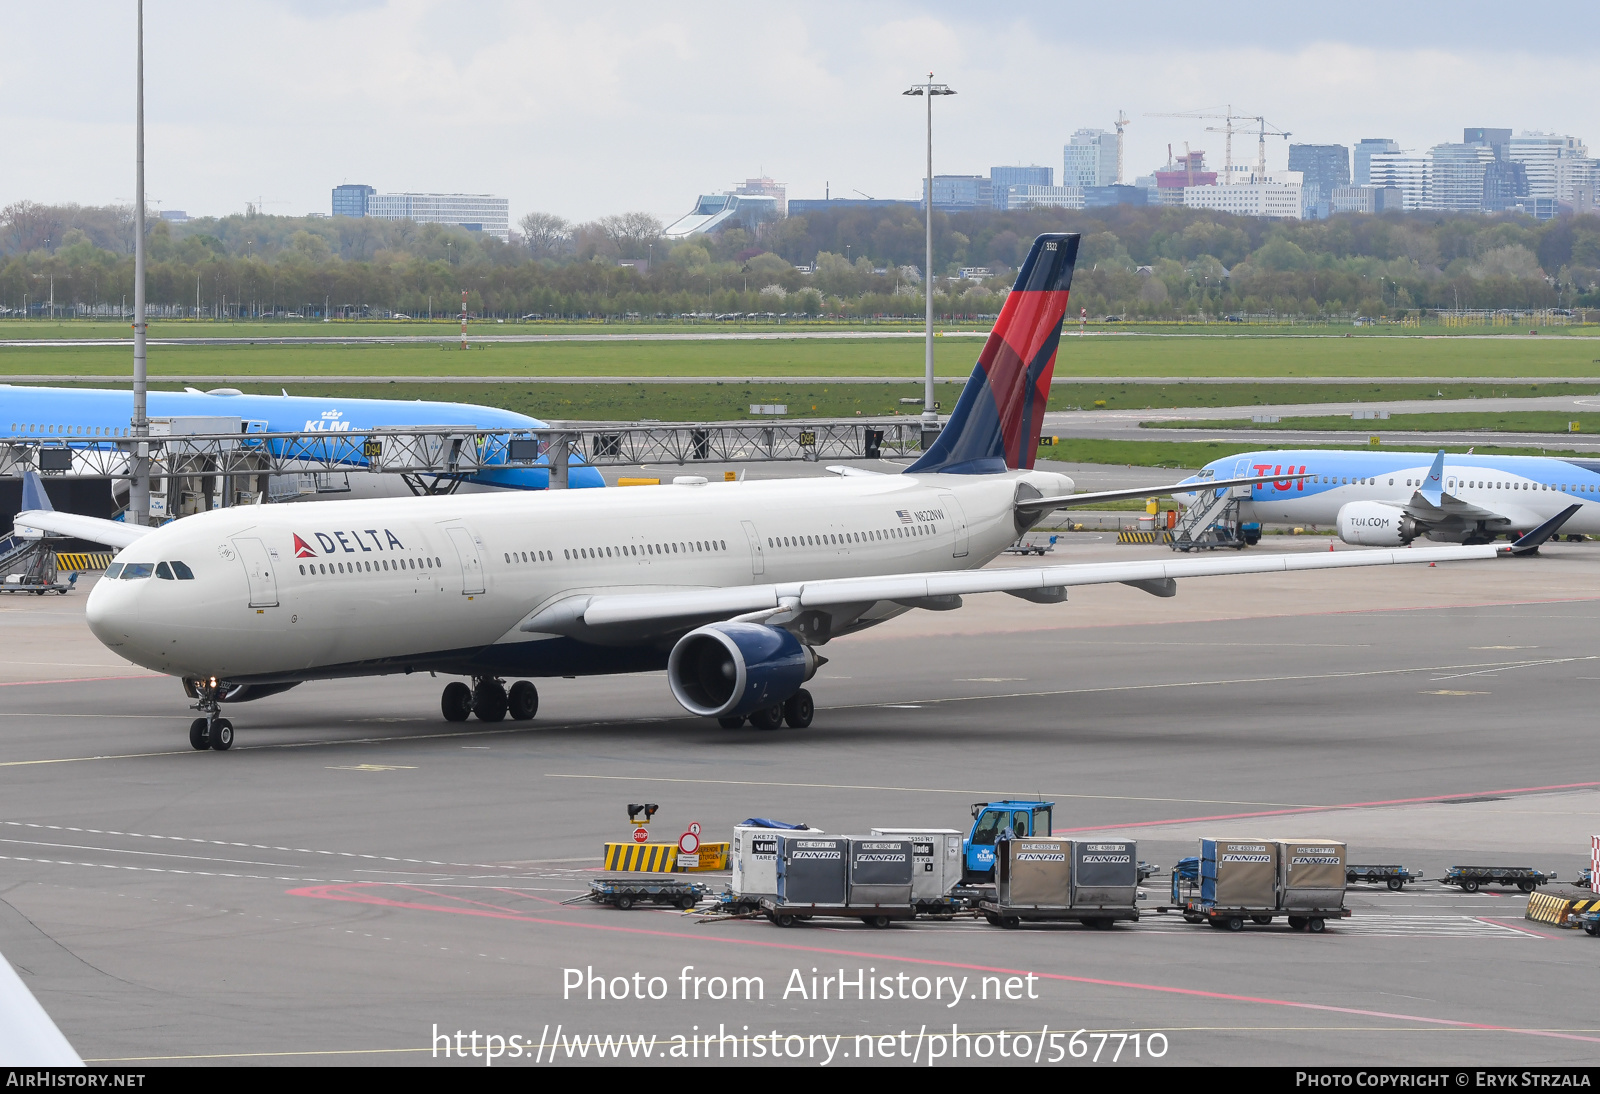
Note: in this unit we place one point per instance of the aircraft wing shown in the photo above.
(113, 533)
(1062, 501)
(941, 590)
(28, 1038)
(1443, 506)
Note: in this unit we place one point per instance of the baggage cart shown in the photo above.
(753, 858)
(623, 893)
(1472, 878)
(1237, 881)
(1395, 877)
(785, 914)
(1038, 880)
(936, 868)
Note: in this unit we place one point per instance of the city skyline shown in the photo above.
(587, 114)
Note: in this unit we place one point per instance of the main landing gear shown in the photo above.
(489, 699)
(208, 730)
(797, 711)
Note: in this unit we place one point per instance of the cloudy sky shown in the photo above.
(587, 109)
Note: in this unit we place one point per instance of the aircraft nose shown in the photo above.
(113, 618)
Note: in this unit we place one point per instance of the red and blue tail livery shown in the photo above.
(996, 422)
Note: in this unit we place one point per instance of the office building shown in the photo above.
(713, 212)
(1365, 149)
(474, 212)
(765, 187)
(1538, 153)
(1456, 174)
(1325, 167)
(1090, 159)
(1189, 170)
(350, 200)
(1406, 173)
(1575, 178)
(1001, 179)
(1279, 200)
(1043, 197)
(960, 193)
(1100, 197)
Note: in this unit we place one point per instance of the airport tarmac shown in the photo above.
(357, 875)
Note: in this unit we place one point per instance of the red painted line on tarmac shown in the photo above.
(1328, 808)
(1512, 926)
(345, 893)
(80, 680)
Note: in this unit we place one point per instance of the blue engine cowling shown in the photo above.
(732, 669)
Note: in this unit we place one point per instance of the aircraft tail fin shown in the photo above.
(33, 495)
(996, 422)
(1433, 486)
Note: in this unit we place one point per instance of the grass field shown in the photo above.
(1527, 421)
(1130, 356)
(731, 400)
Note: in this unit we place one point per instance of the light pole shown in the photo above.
(139, 482)
(930, 418)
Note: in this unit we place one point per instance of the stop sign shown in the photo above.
(640, 835)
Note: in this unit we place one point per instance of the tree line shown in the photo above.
(1138, 262)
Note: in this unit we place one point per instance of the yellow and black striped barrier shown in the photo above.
(1558, 910)
(648, 858)
(1144, 537)
(92, 560)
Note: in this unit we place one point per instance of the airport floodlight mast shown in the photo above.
(930, 417)
(139, 431)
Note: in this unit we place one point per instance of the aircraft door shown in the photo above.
(258, 568)
(958, 521)
(471, 561)
(758, 562)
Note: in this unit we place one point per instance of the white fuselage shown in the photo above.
(443, 583)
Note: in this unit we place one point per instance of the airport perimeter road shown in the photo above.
(356, 875)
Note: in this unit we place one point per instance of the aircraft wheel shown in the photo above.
(198, 739)
(221, 735)
(798, 709)
(489, 701)
(456, 702)
(731, 721)
(767, 717)
(523, 700)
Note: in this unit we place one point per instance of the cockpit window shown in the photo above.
(135, 570)
(183, 571)
(163, 571)
(113, 570)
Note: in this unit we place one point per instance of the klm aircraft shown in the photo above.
(1388, 499)
(85, 417)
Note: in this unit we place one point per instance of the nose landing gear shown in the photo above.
(489, 699)
(209, 731)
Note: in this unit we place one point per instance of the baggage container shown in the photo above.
(813, 870)
(1105, 873)
(1239, 873)
(1310, 875)
(935, 862)
(754, 859)
(880, 872)
(1033, 873)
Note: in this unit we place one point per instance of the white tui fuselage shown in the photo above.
(282, 593)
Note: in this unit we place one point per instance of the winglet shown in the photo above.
(1531, 542)
(1433, 486)
(33, 495)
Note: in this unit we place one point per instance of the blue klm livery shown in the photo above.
(1391, 498)
(78, 416)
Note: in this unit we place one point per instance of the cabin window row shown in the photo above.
(370, 566)
(841, 539)
(68, 430)
(640, 550)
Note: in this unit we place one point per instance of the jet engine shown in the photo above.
(732, 669)
(1374, 524)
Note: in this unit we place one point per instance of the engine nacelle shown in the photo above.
(732, 669)
(1374, 524)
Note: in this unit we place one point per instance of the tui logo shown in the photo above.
(302, 549)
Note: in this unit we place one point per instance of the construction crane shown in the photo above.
(1122, 120)
(1228, 129)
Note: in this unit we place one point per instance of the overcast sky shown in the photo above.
(588, 109)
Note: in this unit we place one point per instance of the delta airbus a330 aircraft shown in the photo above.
(1388, 499)
(731, 587)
